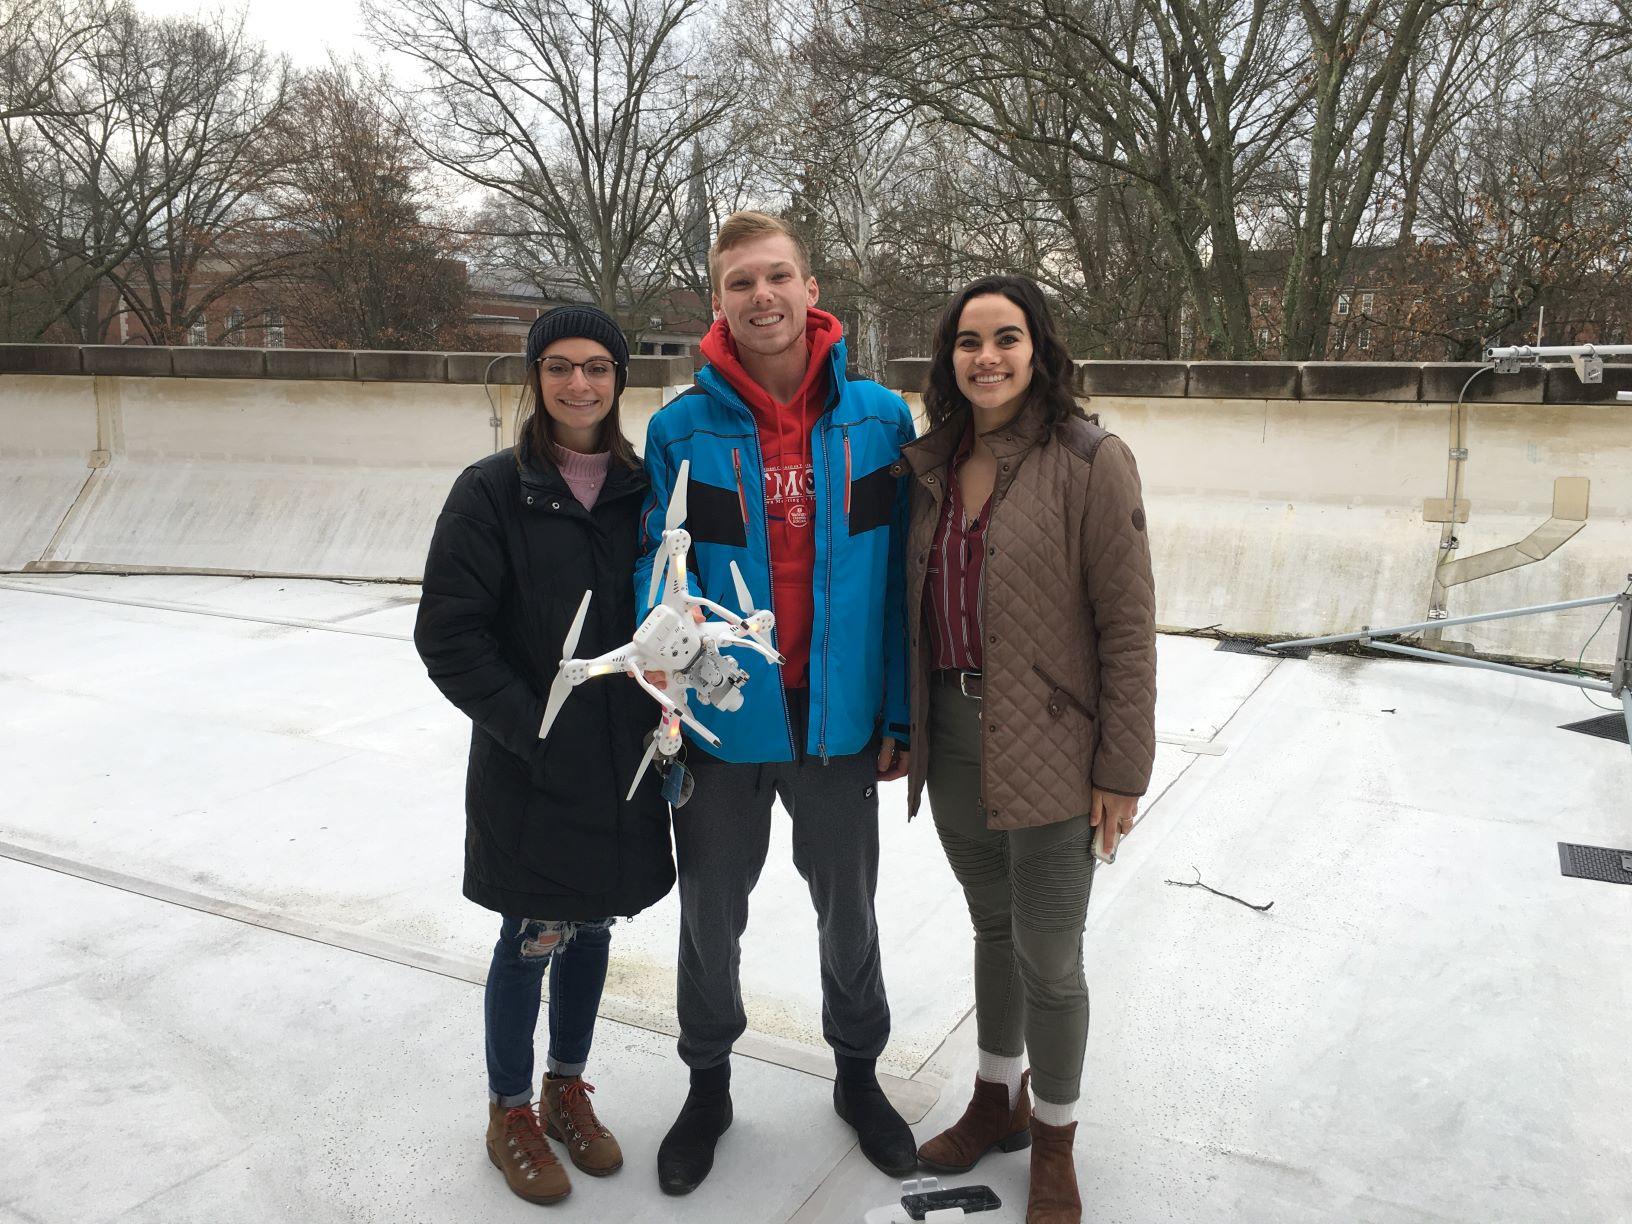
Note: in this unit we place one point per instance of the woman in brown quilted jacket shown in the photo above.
(1033, 700)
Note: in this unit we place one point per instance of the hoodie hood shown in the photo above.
(822, 332)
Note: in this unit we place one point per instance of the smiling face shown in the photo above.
(991, 357)
(578, 384)
(764, 294)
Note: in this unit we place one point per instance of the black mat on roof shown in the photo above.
(1595, 863)
(1609, 727)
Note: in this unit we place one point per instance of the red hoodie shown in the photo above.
(790, 479)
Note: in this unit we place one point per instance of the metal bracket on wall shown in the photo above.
(1570, 501)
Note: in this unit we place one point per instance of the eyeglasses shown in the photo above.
(596, 369)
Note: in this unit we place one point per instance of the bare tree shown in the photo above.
(728, 172)
(147, 130)
(838, 150)
(44, 44)
(1608, 26)
(1531, 207)
(1439, 95)
(40, 41)
(372, 268)
(209, 236)
(1360, 56)
(582, 118)
(1186, 100)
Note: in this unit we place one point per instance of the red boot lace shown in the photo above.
(526, 1137)
(579, 1114)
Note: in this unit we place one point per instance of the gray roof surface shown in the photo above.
(241, 983)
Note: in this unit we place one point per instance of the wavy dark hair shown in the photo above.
(535, 427)
(1053, 376)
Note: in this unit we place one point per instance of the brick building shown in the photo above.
(261, 315)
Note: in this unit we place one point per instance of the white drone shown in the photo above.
(670, 641)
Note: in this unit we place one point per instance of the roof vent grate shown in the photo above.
(1609, 727)
(1595, 863)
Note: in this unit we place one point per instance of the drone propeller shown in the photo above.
(677, 499)
(745, 601)
(645, 763)
(672, 519)
(562, 686)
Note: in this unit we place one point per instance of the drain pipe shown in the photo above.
(495, 415)
(1453, 511)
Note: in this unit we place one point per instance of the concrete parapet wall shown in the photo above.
(1287, 500)
(133, 360)
(1284, 499)
(48, 446)
(323, 477)
(1290, 518)
(1387, 381)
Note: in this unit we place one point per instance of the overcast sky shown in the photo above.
(305, 29)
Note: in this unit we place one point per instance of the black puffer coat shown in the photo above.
(548, 831)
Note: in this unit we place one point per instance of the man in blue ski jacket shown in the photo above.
(796, 475)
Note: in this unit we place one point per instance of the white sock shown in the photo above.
(998, 1069)
(1050, 1114)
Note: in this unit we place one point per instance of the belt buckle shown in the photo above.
(963, 684)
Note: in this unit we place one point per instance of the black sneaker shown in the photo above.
(686, 1154)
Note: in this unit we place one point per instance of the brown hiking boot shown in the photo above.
(1054, 1198)
(987, 1123)
(519, 1150)
(569, 1117)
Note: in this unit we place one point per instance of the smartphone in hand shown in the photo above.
(1106, 838)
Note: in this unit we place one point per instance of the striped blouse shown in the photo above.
(956, 573)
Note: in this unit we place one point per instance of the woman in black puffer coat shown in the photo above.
(551, 842)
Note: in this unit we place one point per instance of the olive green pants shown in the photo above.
(1027, 892)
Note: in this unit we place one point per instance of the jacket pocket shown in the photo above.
(870, 499)
(717, 515)
(570, 828)
(1060, 697)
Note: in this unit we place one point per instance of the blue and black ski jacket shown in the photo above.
(858, 649)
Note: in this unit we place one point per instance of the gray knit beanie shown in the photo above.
(589, 322)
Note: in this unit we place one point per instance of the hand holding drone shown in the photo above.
(671, 642)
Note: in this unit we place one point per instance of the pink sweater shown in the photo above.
(585, 474)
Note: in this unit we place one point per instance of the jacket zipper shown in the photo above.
(742, 498)
(827, 608)
(765, 535)
(1059, 688)
(920, 673)
(847, 476)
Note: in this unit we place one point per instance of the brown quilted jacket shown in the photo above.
(1069, 611)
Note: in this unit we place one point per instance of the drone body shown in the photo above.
(673, 642)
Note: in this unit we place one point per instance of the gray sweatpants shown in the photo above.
(721, 838)
(1027, 892)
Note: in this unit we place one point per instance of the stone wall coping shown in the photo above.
(201, 361)
(1432, 382)
(1428, 382)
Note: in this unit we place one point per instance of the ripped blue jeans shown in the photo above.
(574, 954)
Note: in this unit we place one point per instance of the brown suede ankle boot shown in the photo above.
(517, 1146)
(1054, 1198)
(987, 1123)
(569, 1117)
